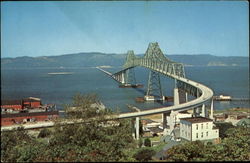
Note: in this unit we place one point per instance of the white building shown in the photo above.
(198, 128)
(174, 118)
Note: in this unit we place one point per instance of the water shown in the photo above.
(59, 89)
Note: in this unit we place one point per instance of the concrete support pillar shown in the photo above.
(164, 120)
(123, 77)
(176, 97)
(137, 128)
(186, 96)
(203, 111)
(212, 110)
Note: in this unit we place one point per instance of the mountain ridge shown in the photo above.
(92, 59)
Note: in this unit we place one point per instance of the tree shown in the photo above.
(97, 139)
(44, 133)
(144, 155)
(140, 142)
(13, 142)
(223, 127)
(147, 142)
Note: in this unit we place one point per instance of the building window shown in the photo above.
(202, 134)
(207, 125)
(196, 126)
(196, 135)
(201, 126)
(207, 133)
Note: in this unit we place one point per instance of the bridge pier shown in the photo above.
(186, 96)
(137, 128)
(212, 110)
(203, 110)
(176, 96)
(164, 120)
(123, 78)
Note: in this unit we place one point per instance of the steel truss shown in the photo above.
(154, 85)
(156, 61)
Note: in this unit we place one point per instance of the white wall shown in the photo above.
(205, 131)
(185, 130)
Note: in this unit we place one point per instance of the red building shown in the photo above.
(12, 104)
(31, 102)
(19, 118)
(26, 110)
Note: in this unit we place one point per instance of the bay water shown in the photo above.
(60, 88)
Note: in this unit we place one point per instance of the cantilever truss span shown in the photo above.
(155, 60)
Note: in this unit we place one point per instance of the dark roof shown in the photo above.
(12, 115)
(11, 102)
(155, 129)
(197, 119)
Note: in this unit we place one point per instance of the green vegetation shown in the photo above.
(144, 154)
(223, 127)
(155, 138)
(44, 133)
(147, 142)
(97, 140)
(234, 147)
(111, 140)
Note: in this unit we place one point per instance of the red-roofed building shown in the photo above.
(32, 102)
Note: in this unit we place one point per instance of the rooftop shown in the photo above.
(31, 99)
(155, 129)
(197, 119)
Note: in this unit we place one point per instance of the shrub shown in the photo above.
(147, 142)
(144, 155)
(44, 133)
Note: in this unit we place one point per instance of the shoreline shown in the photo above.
(158, 117)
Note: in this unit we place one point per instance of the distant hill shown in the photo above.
(98, 59)
(209, 60)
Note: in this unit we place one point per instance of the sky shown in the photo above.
(36, 28)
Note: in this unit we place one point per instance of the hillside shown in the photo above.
(97, 59)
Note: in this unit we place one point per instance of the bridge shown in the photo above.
(157, 63)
